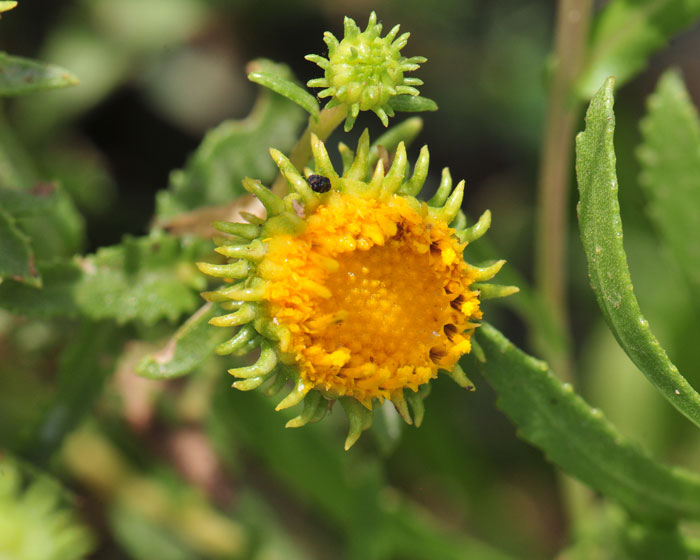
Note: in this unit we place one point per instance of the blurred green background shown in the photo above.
(192, 469)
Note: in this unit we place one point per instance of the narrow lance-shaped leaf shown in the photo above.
(579, 439)
(190, 346)
(19, 76)
(601, 234)
(266, 76)
(626, 33)
(670, 159)
(412, 103)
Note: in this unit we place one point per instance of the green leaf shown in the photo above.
(286, 88)
(45, 213)
(22, 203)
(601, 234)
(56, 298)
(145, 279)
(58, 230)
(228, 153)
(16, 167)
(412, 103)
(16, 258)
(19, 76)
(650, 542)
(149, 279)
(83, 369)
(143, 539)
(191, 345)
(627, 33)
(418, 536)
(579, 439)
(670, 160)
(342, 487)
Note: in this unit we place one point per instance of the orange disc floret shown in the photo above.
(375, 295)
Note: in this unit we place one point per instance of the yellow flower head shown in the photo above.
(352, 288)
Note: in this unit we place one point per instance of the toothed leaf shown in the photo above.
(626, 33)
(670, 160)
(601, 234)
(146, 279)
(580, 440)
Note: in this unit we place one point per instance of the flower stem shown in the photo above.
(571, 32)
(328, 121)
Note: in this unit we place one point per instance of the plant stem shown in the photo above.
(571, 33)
(328, 121)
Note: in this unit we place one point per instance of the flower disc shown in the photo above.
(375, 296)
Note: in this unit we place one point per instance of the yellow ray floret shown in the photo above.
(352, 288)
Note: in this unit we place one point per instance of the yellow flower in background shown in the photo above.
(352, 288)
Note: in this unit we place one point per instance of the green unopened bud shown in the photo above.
(364, 71)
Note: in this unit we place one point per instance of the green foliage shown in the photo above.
(412, 104)
(670, 159)
(146, 279)
(19, 76)
(144, 539)
(627, 33)
(33, 526)
(285, 87)
(231, 151)
(83, 368)
(601, 234)
(21, 203)
(341, 487)
(16, 259)
(45, 221)
(579, 439)
(178, 465)
(190, 346)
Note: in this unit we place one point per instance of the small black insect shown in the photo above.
(319, 183)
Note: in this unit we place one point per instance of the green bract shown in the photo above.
(365, 71)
